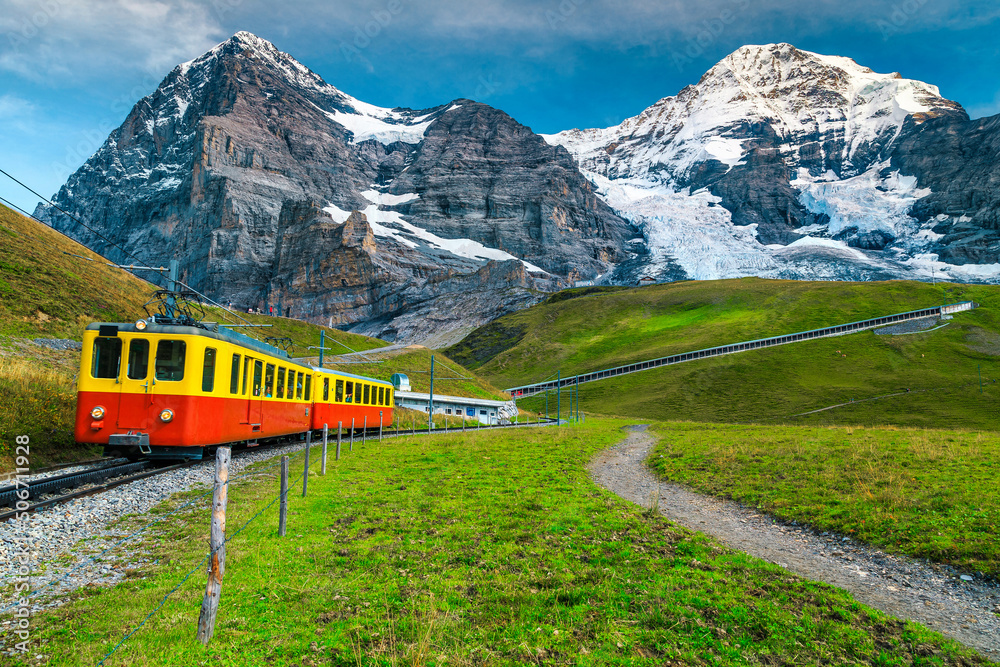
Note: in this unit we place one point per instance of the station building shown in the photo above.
(485, 411)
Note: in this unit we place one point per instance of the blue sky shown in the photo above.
(71, 69)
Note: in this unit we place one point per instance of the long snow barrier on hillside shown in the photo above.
(838, 330)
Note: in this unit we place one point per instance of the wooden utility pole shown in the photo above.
(217, 555)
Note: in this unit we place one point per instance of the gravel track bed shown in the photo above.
(936, 596)
(63, 536)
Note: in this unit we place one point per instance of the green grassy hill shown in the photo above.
(586, 330)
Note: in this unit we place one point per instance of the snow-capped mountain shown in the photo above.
(274, 188)
(778, 162)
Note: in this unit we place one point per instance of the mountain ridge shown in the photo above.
(276, 188)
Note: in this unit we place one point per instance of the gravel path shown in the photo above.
(933, 595)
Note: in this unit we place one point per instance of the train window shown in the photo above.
(298, 385)
(309, 381)
(170, 360)
(338, 396)
(281, 383)
(269, 381)
(107, 358)
(381, 395)
(350, 393)
(138, 359)
(326, 390)
(208, 370)
(388, 396)
(234, 376)
(258, 373)
(367, 394)
(246, 371)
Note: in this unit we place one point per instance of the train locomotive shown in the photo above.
(174, 387)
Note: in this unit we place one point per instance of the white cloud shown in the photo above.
(13, 107)
(54, 40)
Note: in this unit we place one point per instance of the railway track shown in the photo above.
(96, 479)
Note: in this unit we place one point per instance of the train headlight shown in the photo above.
(140, 325)
(167, 416)
(97, 412)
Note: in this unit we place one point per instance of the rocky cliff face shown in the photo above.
(247, 167)
(785, 163)
(275, 188)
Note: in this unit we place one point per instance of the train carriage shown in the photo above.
(171, 391)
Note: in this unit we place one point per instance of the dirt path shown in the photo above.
(931, 595)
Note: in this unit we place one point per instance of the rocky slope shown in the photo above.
(247, 166)
(785, 163)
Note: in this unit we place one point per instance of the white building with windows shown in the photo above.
(487, 412)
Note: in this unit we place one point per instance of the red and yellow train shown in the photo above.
(164, 390)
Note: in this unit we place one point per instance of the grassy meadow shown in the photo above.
(476, 549)
(935, 374)
(927, 493)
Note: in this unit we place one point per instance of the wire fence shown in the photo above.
(308, 463)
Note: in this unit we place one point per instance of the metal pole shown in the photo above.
(578, 398)
(340, 434)
(172, 288)
(351, 445)
(430, 407)
(322, 344)
(364, 431)
(217, 562)
(558, 397)
(322, 469)
(305, 473)
(380, 426)
(283, 511)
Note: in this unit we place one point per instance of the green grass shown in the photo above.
(40, 403)
(46, 293)
(489, 548)
(930, 494)
(620, 326)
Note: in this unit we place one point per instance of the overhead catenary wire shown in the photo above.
(158, 270)
(69, 215)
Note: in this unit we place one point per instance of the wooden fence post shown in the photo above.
(283, 507)
(217, 543)
(305, 472)
(340, 435)
(322, 469)
(351, 445)
(364, 432)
